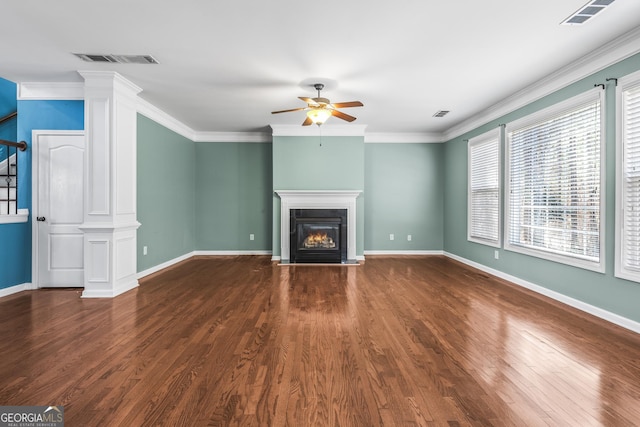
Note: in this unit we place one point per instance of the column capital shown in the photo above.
(108, 79)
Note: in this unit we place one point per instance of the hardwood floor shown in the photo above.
(239, 341)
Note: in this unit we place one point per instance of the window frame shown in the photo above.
(19, 215)
(494, 135)
(630, 81)
(546, 114)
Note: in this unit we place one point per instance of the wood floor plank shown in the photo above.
(241, 341)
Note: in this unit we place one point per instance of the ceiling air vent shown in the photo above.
(118, 59)
(441, 113)
(95, 58)
(587, 12)
(135, 59)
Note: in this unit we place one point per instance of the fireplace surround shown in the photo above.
(317, 199)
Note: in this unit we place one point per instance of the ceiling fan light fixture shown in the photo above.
(318, 115)
(319, 109)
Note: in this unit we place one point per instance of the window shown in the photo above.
(554, 178)
(9, 211)
(483, 215)
(628, 179)
(8, 180)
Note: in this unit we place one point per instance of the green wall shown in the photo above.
(211, 196)
(404, 184)
(166, 194)
(318, 163)
(233, 187)
(601, 290)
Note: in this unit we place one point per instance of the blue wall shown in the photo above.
(15, 239)
(9, 274)
(8, 105)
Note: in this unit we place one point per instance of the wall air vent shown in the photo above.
(117, 59)
(441, 113)
(587, 12)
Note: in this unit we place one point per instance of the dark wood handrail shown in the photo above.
(8, 117)
(21, 145)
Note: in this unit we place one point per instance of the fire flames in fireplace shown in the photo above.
(319, 240)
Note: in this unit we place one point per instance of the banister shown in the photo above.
(22, 145)
(8, 117)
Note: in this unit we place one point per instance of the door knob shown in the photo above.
(40, 218)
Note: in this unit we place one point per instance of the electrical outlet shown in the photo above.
(408, 237)
(144, 250)
(391, 237)
(496, 254)
(252, 236)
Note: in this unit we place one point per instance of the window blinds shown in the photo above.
(484, 191)
(554, 169)
(631, 178)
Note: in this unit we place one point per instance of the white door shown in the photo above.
(59, 211)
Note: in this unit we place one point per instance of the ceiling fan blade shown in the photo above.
(348, 104)
(288, 111)
(307, 122)
(343, 116)
(309, 101)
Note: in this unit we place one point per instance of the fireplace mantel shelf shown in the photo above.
(317, 199)
(316, 193)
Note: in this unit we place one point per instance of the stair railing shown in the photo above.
(9, 173)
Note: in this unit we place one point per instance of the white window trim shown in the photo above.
(622, 271)
(21, 216)
(537, 117)
(480, 139)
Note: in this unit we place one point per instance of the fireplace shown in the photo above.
(318, 235)
(317, 200)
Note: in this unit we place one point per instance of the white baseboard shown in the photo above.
(110, 293)
(164, 265)
(572, 302)
(5, 292)
(174, 261)
(230, 253)
(403, 253)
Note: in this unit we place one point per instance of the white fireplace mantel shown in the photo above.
(317, 199)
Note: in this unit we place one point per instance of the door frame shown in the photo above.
(35, 154)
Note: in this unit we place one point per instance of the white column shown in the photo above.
(110, 222)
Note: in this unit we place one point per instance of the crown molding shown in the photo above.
(152, 112)
(232, 137)
(330, 130)
(601, 58)
(50, 91)
(108, 80)
(607, 55)
(404, 138)
(164, 119)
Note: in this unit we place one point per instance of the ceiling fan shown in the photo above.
(320, 109)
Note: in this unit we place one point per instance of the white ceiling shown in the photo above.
(224, 66)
